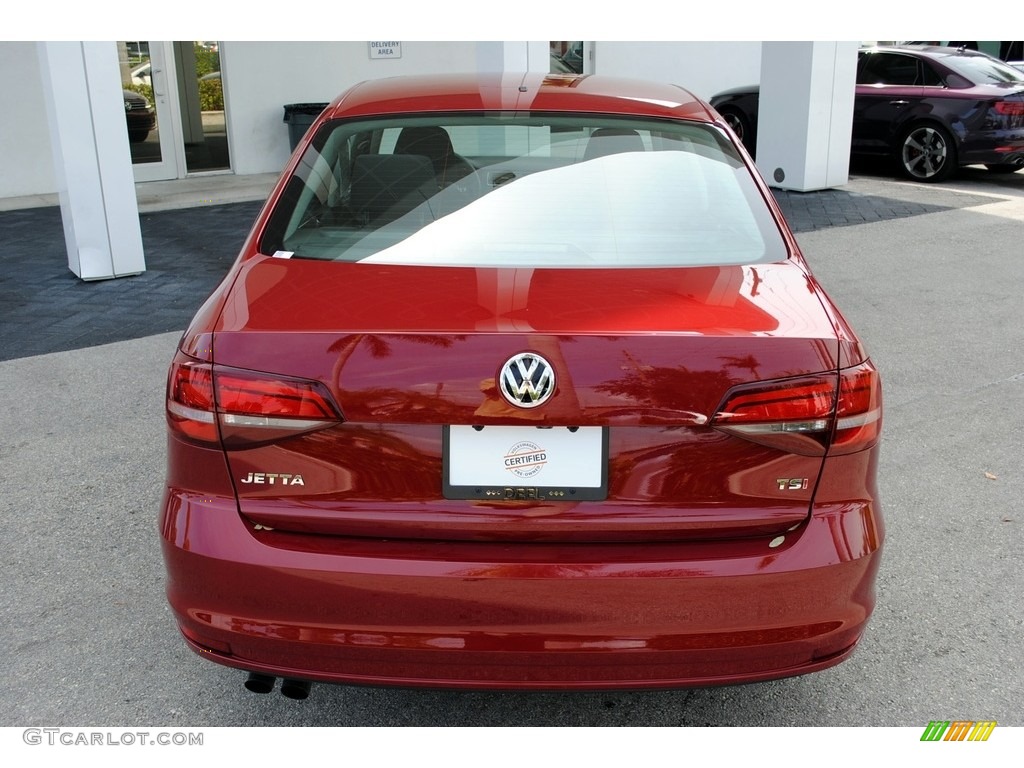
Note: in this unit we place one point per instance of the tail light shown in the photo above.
(859, 410)
(810, 415)
(214, 404)
(1013, 108)
(190, 409)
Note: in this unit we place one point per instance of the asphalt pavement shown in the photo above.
(935, 293)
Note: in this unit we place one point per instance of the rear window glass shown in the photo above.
(526, 190)
(982, 70)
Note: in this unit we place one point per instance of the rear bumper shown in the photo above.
(1002, 147)
(472, 615)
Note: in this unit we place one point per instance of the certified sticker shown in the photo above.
(525, 459)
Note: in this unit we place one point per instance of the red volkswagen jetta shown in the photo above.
(521, 382)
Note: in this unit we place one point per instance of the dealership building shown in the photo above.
(236, 107)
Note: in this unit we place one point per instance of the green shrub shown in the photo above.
(144, 90)
(207, 59)
(211, 95)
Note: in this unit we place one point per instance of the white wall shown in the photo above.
(25, 157)
(261, 77)
(704, 68)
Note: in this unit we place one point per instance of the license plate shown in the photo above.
(526, 463)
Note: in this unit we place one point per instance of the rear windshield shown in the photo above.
(983, 70)
(528, 190)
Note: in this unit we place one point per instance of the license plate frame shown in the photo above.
(498, 463)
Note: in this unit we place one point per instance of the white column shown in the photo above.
(806, 113)
(518, 56)
(91, 158)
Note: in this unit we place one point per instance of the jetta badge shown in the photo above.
(527, 380)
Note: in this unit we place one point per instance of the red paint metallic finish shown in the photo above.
(471, 615)
(704, 565)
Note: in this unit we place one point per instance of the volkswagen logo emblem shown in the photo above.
(527, 380)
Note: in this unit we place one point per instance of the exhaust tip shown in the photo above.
(295, 689)
(258, 683)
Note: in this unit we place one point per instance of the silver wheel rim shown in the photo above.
(924, 153)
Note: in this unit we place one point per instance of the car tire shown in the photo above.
(926, 152)
(1004, 168)
(135, 137)
(740, 125)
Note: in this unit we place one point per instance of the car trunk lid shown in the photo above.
(645, 357)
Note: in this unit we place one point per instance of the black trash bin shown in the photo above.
(299, 117)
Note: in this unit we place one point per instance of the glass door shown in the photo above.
(201, 101)
(150, 104)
